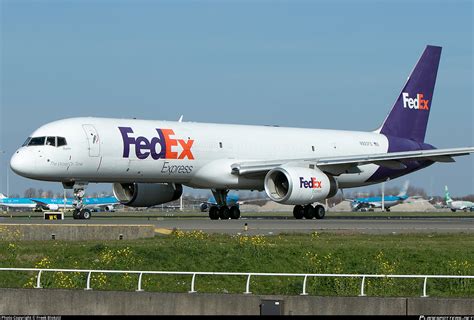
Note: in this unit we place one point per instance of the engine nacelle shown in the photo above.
(146, 194)
(299, 185)
(53, 207)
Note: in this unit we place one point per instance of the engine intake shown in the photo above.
(146, 194)
(299, 185)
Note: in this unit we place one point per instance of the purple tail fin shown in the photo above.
(409, 115)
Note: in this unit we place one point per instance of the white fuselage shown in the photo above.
(460, 205)
(198, 155)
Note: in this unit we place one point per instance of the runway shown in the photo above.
(273, 226)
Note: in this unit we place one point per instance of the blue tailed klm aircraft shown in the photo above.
(231, 198)
(53, 204)
(365, 204)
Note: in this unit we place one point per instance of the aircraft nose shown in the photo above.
(21, 163)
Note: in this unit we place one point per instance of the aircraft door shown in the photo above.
(92, 139)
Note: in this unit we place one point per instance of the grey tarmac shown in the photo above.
(271, 225)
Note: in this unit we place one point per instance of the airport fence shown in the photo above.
(248, 275)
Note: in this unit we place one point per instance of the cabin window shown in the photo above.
(220, 145)
(38, 141)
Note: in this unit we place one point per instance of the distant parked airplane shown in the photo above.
(365, 204)
(53, 204)
(457, 205)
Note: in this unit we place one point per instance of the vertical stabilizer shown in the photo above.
(2, 196)
(409, 115)
(447, 197)
(404, 191)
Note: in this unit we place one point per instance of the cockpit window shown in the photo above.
(61, 141)
(38, 141)
(26, 142)
(51, 141)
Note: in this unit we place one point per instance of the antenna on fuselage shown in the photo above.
(180, 119)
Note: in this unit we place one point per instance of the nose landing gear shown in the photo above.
(81, 214)
(79, 210)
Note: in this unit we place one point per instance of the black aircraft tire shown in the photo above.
(309, 212)
(214, 213)
(85, 214)
(76, 214)
(224, 213)
(234, 212)
(298, 212)
(320, 212)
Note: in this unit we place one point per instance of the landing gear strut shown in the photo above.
(309, 212)
(222, 210)
(79, 211)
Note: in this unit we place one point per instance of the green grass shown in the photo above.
(292, 253)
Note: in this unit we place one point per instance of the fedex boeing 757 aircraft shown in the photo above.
(148, 162)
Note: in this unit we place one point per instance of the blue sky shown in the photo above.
(314, 64)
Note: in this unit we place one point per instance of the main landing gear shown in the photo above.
(79, 210)
(222, 210)
(309, 212)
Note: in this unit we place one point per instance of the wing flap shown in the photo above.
(391, 164)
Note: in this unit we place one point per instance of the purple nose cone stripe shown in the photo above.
(409, 116)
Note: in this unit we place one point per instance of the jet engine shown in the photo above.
(299, 185)
(53, 207)
(146, 194)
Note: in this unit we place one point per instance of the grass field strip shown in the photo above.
(248, 275)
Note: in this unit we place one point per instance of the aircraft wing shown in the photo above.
(99, 205)
(42, 204)
(253, 200)
(200, 201)
(348, 164)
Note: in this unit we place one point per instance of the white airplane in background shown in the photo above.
(457, 204)
(149, 161)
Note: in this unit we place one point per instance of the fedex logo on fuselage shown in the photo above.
(312, 183)
(163, 146)
(417, 103)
